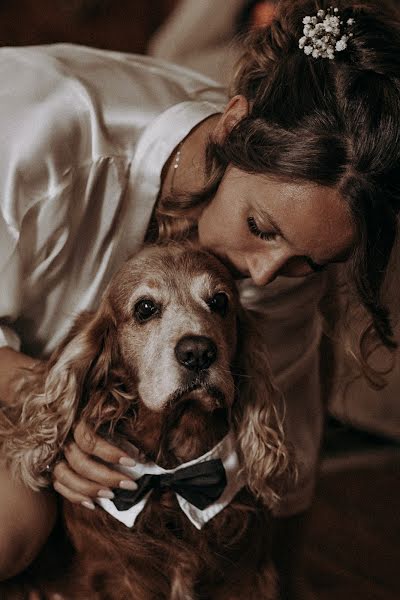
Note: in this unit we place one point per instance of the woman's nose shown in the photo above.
(264, 269)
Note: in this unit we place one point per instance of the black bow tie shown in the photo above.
(200, 484)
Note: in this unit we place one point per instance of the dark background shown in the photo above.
(124, 25)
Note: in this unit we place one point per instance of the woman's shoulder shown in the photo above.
(69, 92)
(98, 66)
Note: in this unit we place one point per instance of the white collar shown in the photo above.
(225, 450)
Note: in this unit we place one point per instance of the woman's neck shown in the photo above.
(190, 172)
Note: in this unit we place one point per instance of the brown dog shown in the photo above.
(171, 368)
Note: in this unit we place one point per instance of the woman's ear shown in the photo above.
(236, 109)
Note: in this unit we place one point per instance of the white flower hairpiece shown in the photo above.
(323, 34)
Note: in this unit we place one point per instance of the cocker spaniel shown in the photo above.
(171, 368)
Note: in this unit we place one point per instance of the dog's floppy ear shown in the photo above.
(33, 431)
(258, 414)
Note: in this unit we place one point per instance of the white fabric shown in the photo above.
(85, 134)
(225, 450)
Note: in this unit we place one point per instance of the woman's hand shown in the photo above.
(80, 477)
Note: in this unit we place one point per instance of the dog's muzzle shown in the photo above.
(198, 393)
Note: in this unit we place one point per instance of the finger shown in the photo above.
(67, 477)
(91, 443)
(72, 496)
(94, 471)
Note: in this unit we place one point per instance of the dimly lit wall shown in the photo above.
(124, 25)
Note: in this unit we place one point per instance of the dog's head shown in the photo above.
(162, 362)
(175, 312)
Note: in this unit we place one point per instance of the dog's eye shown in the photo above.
(145, 309)
(219, 303)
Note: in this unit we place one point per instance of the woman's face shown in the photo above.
(263, 228)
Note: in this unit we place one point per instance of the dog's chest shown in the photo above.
(239, 535)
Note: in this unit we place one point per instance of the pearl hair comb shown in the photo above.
(325, 34)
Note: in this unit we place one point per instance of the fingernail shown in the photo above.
(105, 494)
(127, 462)
(88, 504)
(128, 485)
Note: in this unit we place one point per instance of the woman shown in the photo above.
(298, 170)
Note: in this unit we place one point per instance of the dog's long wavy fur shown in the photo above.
(82, 379)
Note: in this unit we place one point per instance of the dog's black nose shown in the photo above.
(196, 352)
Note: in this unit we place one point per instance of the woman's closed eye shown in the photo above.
(269, 236)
